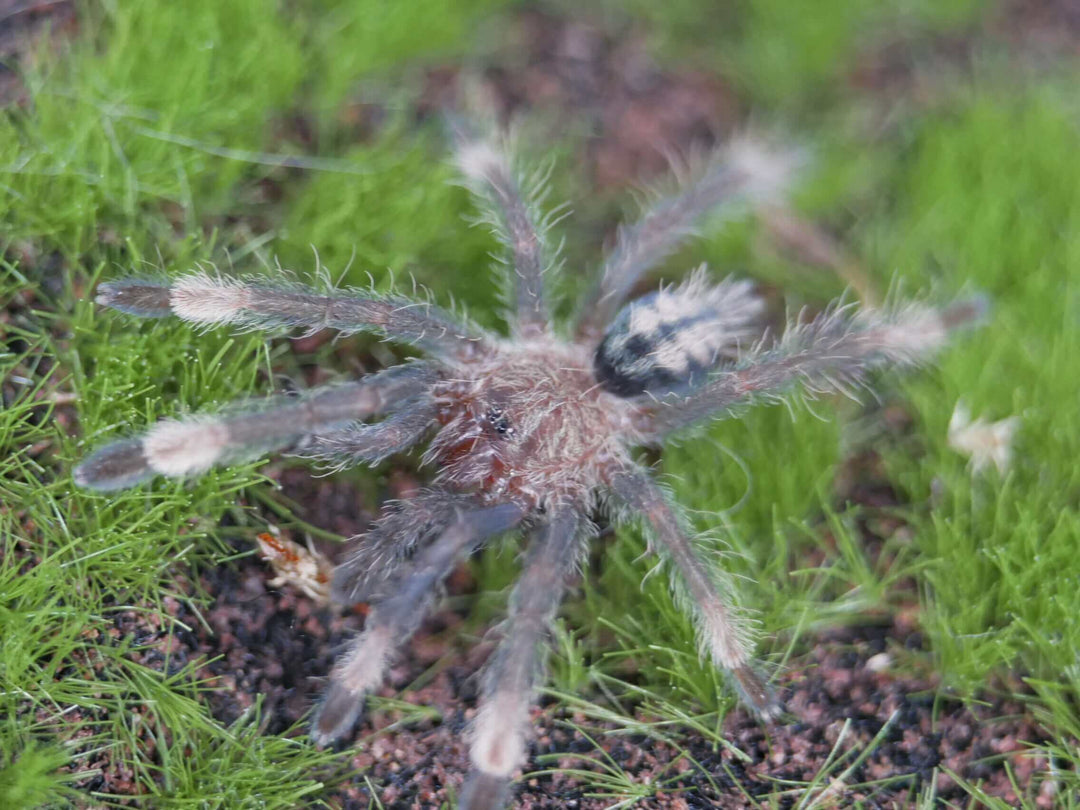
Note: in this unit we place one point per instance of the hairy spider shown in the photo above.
(531, 431)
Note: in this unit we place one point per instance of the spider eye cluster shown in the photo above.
(499, 421)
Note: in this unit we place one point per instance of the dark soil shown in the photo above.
(280, 645)
(604, 84)
(22, 25)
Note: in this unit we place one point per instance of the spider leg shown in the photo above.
(179, 447)
(369, 444)
(834, 352)
(517, 222)
(498, 733)
(722, 633)
(383, 551)
(394, 619)
(744, 172)
(208, 299)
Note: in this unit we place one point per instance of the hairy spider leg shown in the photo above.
(832, 353)
(498, 734)
(393, 620)
(385, 549)
(722, 632)
(191, 446)
(517, 222)
(746, 172)
(369, 444)
(209, 299)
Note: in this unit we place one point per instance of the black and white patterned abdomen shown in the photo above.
(667, 340)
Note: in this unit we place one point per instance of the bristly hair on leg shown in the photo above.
(207, 298)
(724, 634)
(395, 618)
(747, 172)
(380, 554)
(362, 443)
(832, 353)
(498, 734)
(192, 445)
(512, 205)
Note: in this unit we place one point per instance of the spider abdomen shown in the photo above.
(668, 339)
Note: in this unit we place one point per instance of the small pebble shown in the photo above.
(879, 663)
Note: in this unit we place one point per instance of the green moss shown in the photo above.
(991, 194)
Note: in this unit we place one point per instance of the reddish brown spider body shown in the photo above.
(529, 424)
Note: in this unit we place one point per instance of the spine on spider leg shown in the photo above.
(393, 620)
(181, 447)
(498, 734)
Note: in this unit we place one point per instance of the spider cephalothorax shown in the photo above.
(533, 430)
(529, 424)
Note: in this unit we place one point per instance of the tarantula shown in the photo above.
(531, 431)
